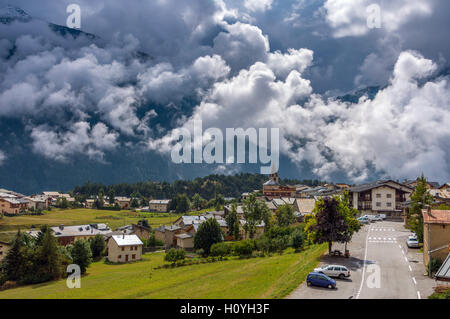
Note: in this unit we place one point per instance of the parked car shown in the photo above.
(321, 280)
(370, 217)
(377, 218)
(364, 220)
(412, 242)
(383, 216)
(334, 271)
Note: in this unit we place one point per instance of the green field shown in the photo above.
(268, 277)
(9, 225)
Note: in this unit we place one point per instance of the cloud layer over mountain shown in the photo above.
(156, 66)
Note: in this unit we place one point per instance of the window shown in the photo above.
(378, 204)
(123, 248)
(378, 195)
(389, 204)
(120, 256)
(388, 195)
(133, 256)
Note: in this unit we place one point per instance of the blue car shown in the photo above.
(321, 280)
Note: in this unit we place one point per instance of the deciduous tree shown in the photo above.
(209, 233)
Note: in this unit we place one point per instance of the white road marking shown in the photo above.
(364, 267)
(406, 259)
(399, 246)
(418, 295)
(410, 269)
(415, 282)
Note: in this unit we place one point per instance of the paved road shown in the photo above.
(381, 267)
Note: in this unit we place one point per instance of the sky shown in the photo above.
(157, 66)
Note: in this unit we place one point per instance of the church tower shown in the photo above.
(274, 176)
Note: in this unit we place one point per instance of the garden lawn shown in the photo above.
(267, 277)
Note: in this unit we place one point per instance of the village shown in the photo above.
(129, 243)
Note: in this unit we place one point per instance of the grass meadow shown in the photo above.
(261, 277)
(55, 217)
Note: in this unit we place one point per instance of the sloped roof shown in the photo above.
(243, 222)
(184, 236)
(239, 209)
(222, 223)
(271, 205)
(127, 240)
(16, 200)
(51, 193)
(81, 230)
(288, 200)
(160, 201)
(436, 217)
(305, 205)
(368, 186)
(278, 202)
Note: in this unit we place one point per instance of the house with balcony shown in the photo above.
(381, 197)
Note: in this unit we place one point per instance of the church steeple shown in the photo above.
(274, 176)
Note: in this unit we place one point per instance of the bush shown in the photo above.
(440, 293)
(434, 265)
(98, 245)
(153, 242)
(297, 239)
(174, 255)
(221, 249)
(244, 247)
(270, 245)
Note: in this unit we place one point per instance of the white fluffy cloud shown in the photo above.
(393, 135)
(79, 139)
(163, 84)
(241, 45)
(349, 18)
(258, 5)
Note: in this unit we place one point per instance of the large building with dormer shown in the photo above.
(381, 197)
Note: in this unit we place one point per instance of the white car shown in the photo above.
(334, 271)
(383, 216)
(378, 218)
(371, 218)
(412, 242)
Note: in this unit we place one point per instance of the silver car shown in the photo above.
(412, 242)
(334, 271)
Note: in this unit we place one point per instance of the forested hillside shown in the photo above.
(207, 187)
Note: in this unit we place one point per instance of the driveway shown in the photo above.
(381, 267)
